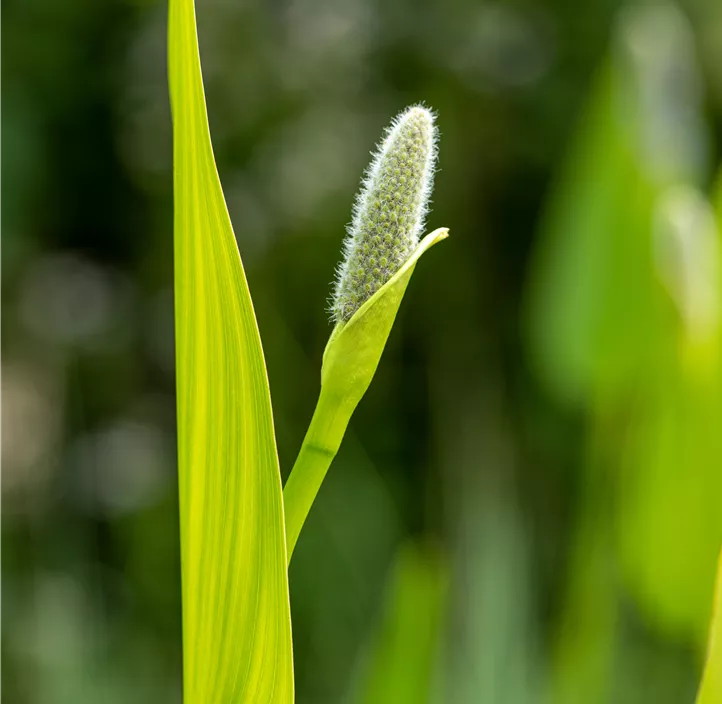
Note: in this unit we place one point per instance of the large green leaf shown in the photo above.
(236, 614)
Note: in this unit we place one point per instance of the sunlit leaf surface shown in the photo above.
(236, 620)
(711, 688)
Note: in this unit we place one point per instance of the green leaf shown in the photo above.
(711, 688)
(661, 511)
(236, 615)
(593, 311)
(401, 663)
(349, 363)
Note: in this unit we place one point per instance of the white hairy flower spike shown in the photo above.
(389, 212)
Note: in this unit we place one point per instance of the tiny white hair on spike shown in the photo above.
(389, 212)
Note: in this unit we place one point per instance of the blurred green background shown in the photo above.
(528, 504)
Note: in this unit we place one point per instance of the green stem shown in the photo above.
(349, 364)
(320, 446)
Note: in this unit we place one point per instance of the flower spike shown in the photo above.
(389, 213)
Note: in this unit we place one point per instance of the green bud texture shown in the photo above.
(389, 213)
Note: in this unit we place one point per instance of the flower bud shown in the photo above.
(389, 213)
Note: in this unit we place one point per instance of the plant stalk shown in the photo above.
(322, 441)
